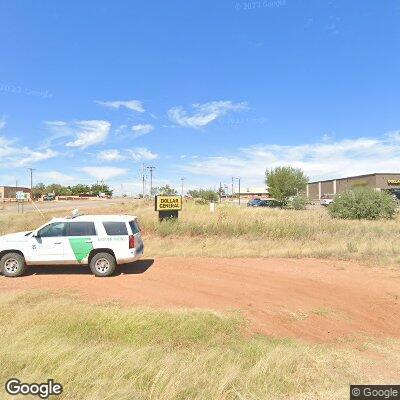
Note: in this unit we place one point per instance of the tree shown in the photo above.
(363, 203)
(38, 190)
(59, 190)
(100, 188)
(154, 191)
(80, 189)
(285, 182)
(205, 194)
(167, 191)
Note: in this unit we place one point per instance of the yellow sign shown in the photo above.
(393, 181)
(168, 203)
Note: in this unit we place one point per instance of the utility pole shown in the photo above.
(31, 170)
(143, 178)
(239, 191)
(239, 188)
(151, 168)
(182, 179)
(220, 192)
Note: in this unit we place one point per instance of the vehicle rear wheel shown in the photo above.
(103, 264)
(12, 265)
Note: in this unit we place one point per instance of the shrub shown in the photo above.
(209, 195)
(363, 203)
(201, 201)
(285, 182)
(298, 203)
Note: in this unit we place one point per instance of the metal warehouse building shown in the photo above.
(331, 187)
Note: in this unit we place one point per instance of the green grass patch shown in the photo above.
(111, 352)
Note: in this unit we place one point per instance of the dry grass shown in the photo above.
(243, 232)
(108, 352)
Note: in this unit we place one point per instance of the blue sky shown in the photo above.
(203, 90)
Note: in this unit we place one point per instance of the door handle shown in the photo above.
(57, 242)
(88, 241)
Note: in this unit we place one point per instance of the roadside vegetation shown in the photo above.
(285, 183)
(106, 351)
(247, 232)
(363, 203)
(59, 190)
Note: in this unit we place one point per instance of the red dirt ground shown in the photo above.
(313, 300)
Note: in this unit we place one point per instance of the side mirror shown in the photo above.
(35, 234)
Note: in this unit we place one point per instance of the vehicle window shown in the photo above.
(81, 229)
(115, 228)
(134, 226)
(53, 230)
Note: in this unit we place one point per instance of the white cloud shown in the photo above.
(85, 133)
(88, 133)
(2, 122)
(321, 160)
(141, 129)
(29, 156)
(142, 154)
(204, 114)
(104, 172)
(134, 105)
(13, 155)
(110, 155)
(54, 177)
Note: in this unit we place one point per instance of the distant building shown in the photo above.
(389, 182)
(9, 192)
(251, 192)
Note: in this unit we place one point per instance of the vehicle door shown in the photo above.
(134, 225)
(80, 237)
(118, 237)
(47, 245)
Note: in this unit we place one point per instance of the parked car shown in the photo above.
(100, 241)
(49, 197)
(254, 203)
(263, 203)
(272, 203)
(326, 202)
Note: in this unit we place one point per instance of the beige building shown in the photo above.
(331, 187)
(9, 192)
(251, 192)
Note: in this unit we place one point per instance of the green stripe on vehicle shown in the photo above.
(81, 247)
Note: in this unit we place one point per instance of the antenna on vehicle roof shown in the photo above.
(75, 213)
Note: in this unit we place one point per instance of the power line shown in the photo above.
(182, 179)
(143, 177)
(31, 170)
(151, 168)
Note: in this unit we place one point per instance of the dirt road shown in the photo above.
(308, 299)
(11, 208)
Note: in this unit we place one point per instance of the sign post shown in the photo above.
(21, 197)
(168, 207)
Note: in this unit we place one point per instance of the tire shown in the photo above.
(12, 265)
(103, 264)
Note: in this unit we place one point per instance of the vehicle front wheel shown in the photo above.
(103, 264)
(12, 265)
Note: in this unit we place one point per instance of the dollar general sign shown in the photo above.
(168, 203)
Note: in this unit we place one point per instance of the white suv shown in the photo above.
(100, 241)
